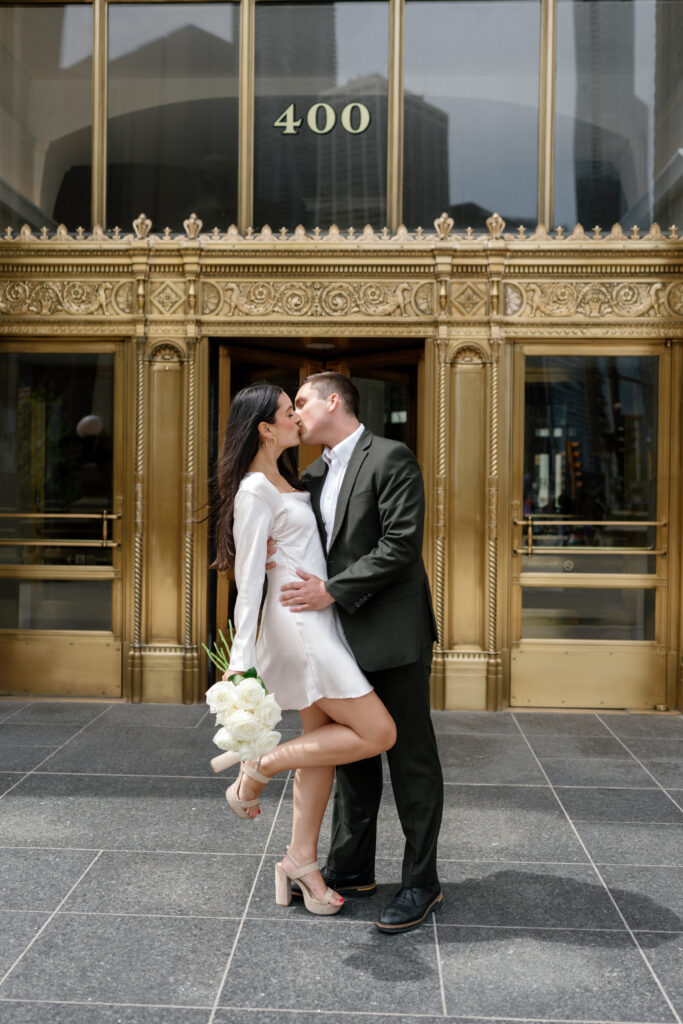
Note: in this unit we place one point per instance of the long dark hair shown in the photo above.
(250, 406)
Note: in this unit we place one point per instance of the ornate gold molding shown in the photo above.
(593, 299)
(262, 298)
(72, 298)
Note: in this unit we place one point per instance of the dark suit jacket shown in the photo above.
(374, 562)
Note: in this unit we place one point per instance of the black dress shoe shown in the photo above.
(409, 908)
(345, 885)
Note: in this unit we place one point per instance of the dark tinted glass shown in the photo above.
(320, 114)
(56, 474)
(471, 111)
(172, 131)
(46, 114)
(619, 113)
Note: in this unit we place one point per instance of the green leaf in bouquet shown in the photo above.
(251, 673)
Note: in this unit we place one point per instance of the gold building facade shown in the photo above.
(536, 372)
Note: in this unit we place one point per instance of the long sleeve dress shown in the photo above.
(301, 656)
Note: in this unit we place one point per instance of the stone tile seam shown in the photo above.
(324, 1013)
(240, 926)
(638, 761)
(343, 922)
(616, 906)
(626, 821)
(441, 860)
(46, 923)
(15, 712)
(439, 967)
(127, 775)
(32, 771)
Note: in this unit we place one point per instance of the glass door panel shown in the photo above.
(589, 537)
(59, 527)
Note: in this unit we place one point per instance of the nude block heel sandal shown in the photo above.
(231, 793)
(283, 893)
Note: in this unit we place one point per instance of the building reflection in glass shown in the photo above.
(471, 111)
(619, 113)
(314, 60)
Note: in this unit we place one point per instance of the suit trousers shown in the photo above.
(416, 780)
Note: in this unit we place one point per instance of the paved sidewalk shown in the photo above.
(131, 894)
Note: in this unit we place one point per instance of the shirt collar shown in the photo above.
(342, 452)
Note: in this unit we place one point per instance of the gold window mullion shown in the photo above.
(99, 112)
(546, 112)
(245, 174)
(395, 115)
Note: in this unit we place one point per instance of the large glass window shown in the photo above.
(619, 111)
(471, 110)
(173, 113)
(320, 136)
(46, 114)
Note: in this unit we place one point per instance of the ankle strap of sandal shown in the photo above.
(305, 870)
(253, 773)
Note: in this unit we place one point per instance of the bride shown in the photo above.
(303, 658)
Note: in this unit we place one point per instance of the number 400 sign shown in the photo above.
(321, 118)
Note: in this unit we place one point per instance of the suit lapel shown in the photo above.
(313, 482)
(357, 459)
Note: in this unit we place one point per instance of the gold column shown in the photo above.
(466, 594)
(245, 197)
(546, 112)
(99, 112)
(395, 116)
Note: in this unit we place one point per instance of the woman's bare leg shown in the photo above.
(312, 787)
(359, 727)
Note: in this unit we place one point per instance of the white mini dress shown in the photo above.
(301, 656)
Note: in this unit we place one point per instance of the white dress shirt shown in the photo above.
(337, 459)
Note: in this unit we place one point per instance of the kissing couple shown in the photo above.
(345, 636)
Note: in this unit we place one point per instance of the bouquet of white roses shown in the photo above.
(246, 712)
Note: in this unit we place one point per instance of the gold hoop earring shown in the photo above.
(269, 445)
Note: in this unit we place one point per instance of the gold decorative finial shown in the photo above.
(142, 226)
(495, 224)
(193, 225)
(443, 226)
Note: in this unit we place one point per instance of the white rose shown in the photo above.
(221, 697)
(268, 712)
(225, 740)
(244, 726)
(249, 694)
(266, 740)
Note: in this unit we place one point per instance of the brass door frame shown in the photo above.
(229, 349)
(625, 660)
(76, 663)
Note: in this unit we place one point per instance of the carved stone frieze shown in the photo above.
(593, 299)
(74, 298)
(316, 299)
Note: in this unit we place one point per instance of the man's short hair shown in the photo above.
(328, 382)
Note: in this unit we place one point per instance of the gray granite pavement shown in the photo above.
(130, 895)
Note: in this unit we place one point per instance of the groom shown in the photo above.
(368, 498)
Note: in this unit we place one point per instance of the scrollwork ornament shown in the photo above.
(337, 300)
(297, 300)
